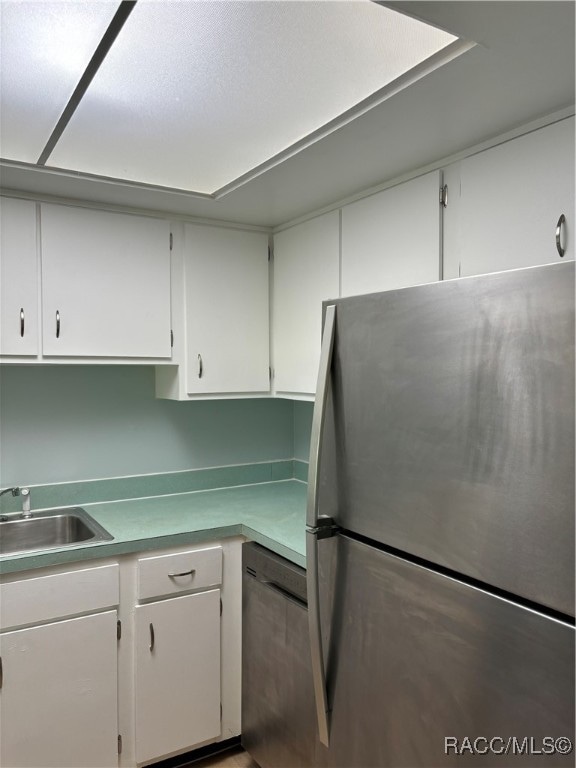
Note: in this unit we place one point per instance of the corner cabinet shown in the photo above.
(306, 271)
(18, 278)
(105, 284)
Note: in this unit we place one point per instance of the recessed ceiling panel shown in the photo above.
(194, 94)
(45, 47)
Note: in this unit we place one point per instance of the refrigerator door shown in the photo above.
(418, 658)
(452, 408)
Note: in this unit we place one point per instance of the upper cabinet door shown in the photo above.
(392, 239)
(306, 272)
(226, 277)
(512, 198)
(18, 278)
(105, 284)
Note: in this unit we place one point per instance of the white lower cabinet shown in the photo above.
(58, 706)
(59, 676)
(177, 673)
(123, 663)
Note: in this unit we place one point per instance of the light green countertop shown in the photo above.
(272, 514)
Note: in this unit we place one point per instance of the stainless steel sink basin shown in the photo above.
(49, 530)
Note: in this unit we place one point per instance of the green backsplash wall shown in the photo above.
(66, 422)
(302, 428)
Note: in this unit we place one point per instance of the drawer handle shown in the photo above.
(200, 367)
(57, 324)
(559, 228)
(151, 637)
(22, 321)
(191, 572)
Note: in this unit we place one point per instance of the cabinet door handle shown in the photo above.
(1, 673)
(57, 324)
(21, 321)
(191, 572)
(559, 228)
(200, 366)
(151, 637)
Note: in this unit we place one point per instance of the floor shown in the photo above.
(232, 758)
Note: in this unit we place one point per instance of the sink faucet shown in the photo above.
(25, 493)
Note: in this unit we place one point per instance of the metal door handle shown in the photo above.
(57, 324)
(319, 416)
(200, 367)
(191, 572)
(151, 637)
(559, 228)
(316, 652)
(444, 196)
(21, 321)
(315, 524)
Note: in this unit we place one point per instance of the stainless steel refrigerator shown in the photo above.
(440, 525)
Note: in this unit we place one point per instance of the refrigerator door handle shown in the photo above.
(314, 628)
(320, 415)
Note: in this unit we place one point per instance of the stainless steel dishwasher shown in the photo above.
(278, 712)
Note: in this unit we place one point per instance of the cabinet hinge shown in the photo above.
(118, 629)
(444, 196)
(171, 240)
(119, 744)
(171, 339)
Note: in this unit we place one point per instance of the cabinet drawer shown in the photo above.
(31, 601)
(180, 572)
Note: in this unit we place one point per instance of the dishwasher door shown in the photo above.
(278, 711)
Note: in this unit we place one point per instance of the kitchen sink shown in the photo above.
(49, 530)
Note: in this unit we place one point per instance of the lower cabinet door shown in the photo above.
(58, 699)
(177, 674)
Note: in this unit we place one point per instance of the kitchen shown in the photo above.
(84, 429)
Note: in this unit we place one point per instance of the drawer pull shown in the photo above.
(191, 572)
(22, 319)
(151, 637)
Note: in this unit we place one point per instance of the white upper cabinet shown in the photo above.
(512, 199)
(18, 278)
(226, 310)
(105, 284)
(306, 272)
(392, 239)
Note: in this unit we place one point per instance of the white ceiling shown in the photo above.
(193, 95)
(45, 50)
(522, 69)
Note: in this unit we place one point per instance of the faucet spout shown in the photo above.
(25, 493)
